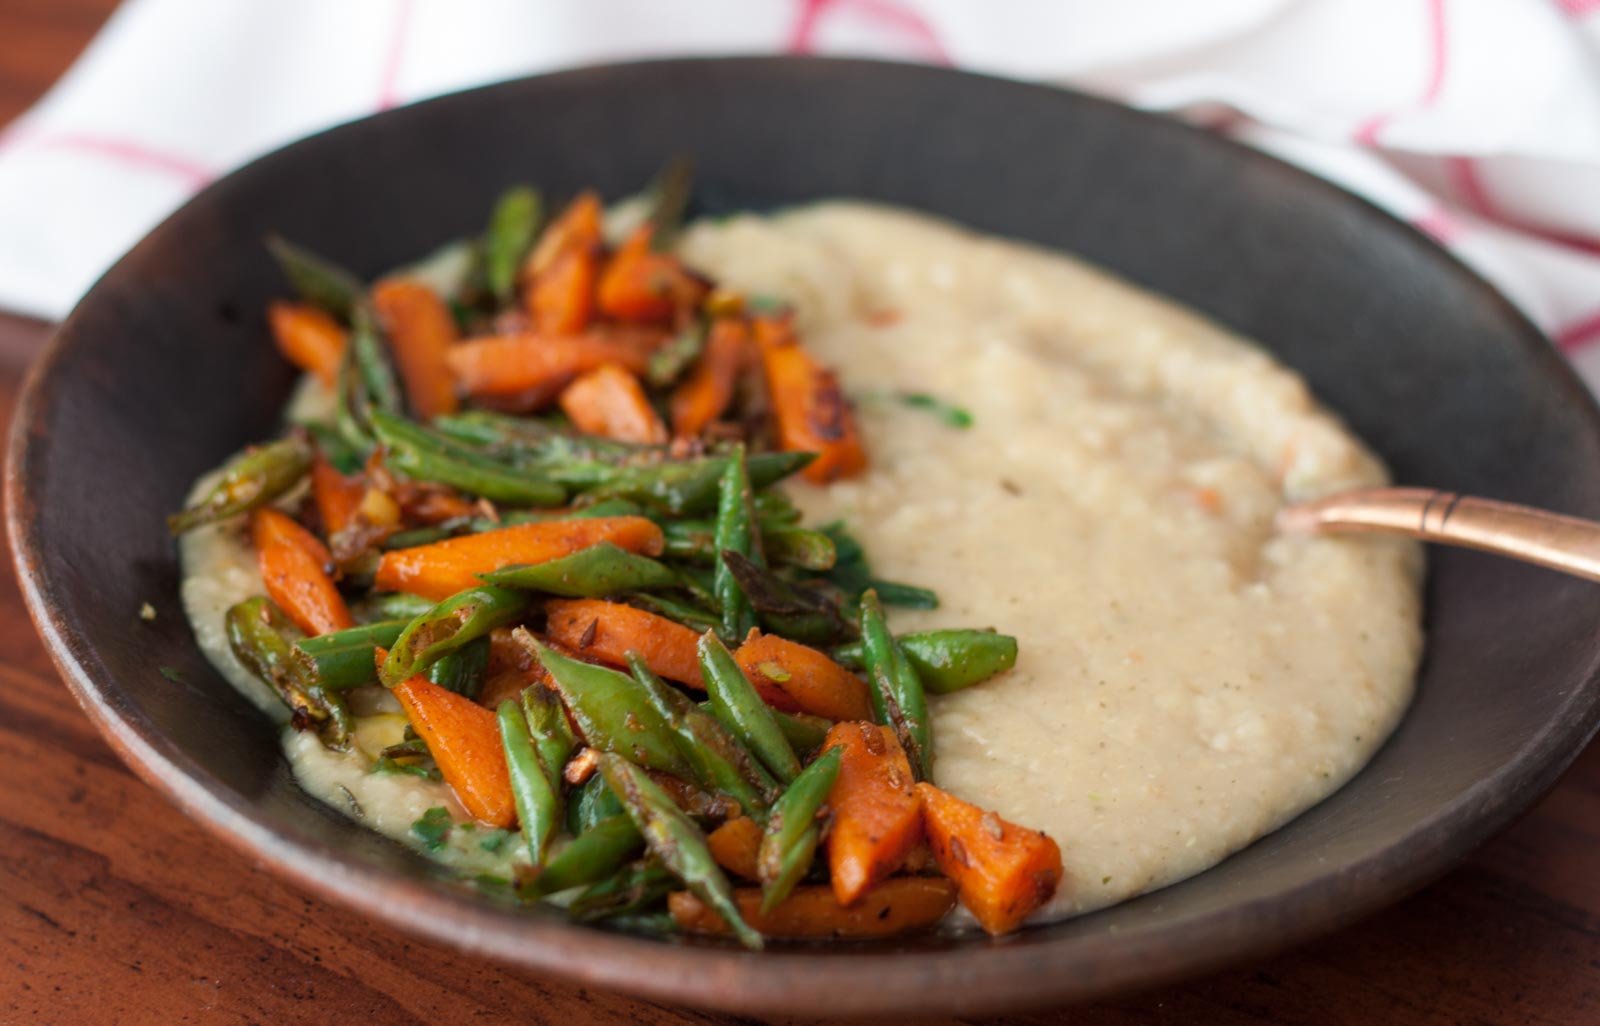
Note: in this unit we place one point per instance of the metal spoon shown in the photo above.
(1564, 543)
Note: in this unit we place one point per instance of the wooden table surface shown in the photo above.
(116, 909)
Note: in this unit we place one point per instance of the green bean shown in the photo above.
(417, 453)
(735, 533)
(592, 803)
(896, 691)
(717, 761)
(736, 704)
(373, 360)
(629, 890)
(333, 446)
(552, 735)
(344, 659)
(462, 670)
(805, 733)
(795, 611)
(253, 478)
(690, 487)
(669, 199)
(906, 596)
(674, 839)
(512, 228)
(531, 441)
(591, 856)
(535, 788)
(264, 638)
(612, 711)
(669, 363)
(774, 508)
(798, 546)
(397, 605)
(461, 618)
(352, 406)
(947, 660)
(601, 569)
(318, 280)
(789, 842)
(686, 613)
(434, 533)
(605, 508)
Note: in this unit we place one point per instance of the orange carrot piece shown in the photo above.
(811, 411)
(561, 298)
(708, 389)
(902, 905)
(796, 677)
(642, 285)
(464, 739)
(876, 817)
(608, 631)
(294, 565)
(440, 570)
(736, 846)
(337, 497)
(579, 227)
(510, 366)
(421, 331)
(308, 338)
(1004, 872)
(609, 401)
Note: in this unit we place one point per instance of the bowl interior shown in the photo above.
(165, 368)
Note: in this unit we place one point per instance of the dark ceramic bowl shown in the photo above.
(165, 368)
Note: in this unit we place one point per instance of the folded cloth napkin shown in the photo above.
(1476, 120)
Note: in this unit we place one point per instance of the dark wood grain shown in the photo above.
(115, 908)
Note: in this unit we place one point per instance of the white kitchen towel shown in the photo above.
(1476, 120)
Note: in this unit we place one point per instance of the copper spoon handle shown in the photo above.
(1563, 543)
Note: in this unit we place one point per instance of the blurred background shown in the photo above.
(1478, 121)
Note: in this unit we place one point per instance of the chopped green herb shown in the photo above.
(952, 415)
(433, 829)
(494, 840)
(409, 767)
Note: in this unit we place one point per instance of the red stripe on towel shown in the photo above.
(121, 151)
(394, 55)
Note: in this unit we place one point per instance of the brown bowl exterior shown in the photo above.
(165, 368)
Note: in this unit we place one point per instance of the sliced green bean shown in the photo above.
(674, 839)
(396, 605)
(796, 611)
(599, 570)
(535, 789)
(687, 613)
(417, 453)
(669, 363)
(319, 281)
(612, 712)
(341, 660)
(735, 533)
(252, 479)
(947, 660)
(629, 890)
(264, 640)
(591, 803)
(512, 228)
(737, 705)
(789, 842)
(459, 619)
(589, 857)
(462, 670)
(898, 700)
(552, 735)
(372, 359)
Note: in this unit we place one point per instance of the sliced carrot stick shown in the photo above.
(576, 227)
(294, 567)
(421, 331)
(308, 338)
(608, 631)
(640, 284)
(609, 401)
(561, 298)
(708, 389)
(876, 817)
(464, 739)
(736, 845)
(337, 497)
(811, 411)
(1004, 872)
(902, 905)
(796, 677)
(511, 365)
(440, 570)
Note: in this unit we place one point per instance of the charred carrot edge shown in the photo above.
(902, 905)
(421, 331)
(877, 819)
(308, 338)
(440, 570)
(610, 402)
(530, 369)
(608, 631)
(293, 566)
(640, 284)
(1004, 872)
(707, 391)
(803, 679)
(464, 740)
(810, 408)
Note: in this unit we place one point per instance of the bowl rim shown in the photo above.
(983, 976)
